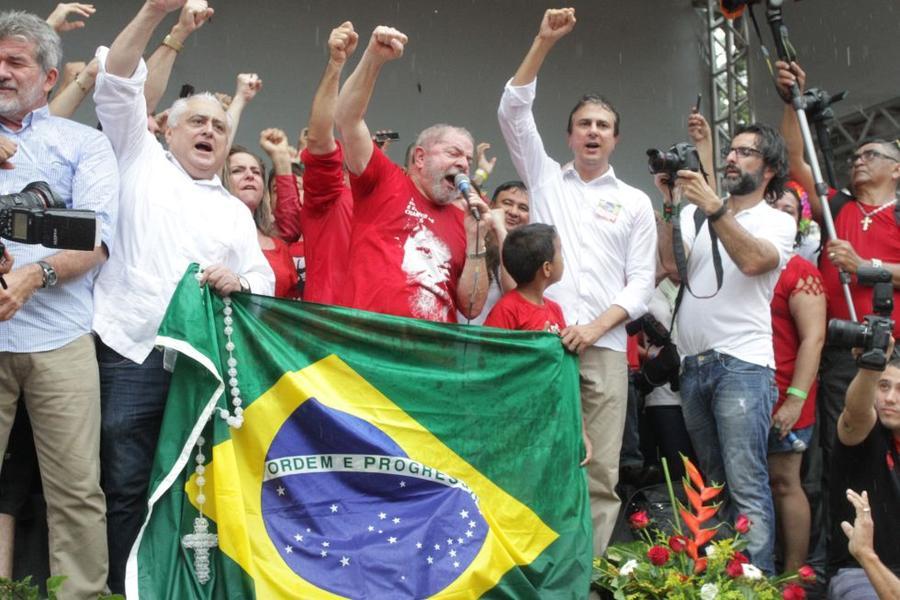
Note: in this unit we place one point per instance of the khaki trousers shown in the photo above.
(61, 389)
(604, 398)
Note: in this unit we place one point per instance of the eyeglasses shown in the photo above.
(868, 156)
(742, 151)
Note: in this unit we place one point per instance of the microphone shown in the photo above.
(464, 185)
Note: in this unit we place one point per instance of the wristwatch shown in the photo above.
(50, 277)
(876, 263)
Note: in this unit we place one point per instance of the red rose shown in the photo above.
(639, 520)
(658, 555)
(678, 543)
(792, 591)
(734, 568)
(806, 573)
(742, 525)
(741, 558)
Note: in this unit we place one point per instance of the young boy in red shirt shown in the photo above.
(531, 255)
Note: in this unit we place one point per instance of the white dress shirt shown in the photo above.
(607, 228)
(738, 320)
(167, 220)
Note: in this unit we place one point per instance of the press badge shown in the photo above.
(608, 210)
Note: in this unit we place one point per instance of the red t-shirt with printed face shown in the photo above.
(406, 252)
(881, 240)
(513, 311)
(799, 277)
(326, 222)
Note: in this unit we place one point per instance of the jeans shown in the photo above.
(133, 397)
(727, 405)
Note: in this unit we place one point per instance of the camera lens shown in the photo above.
(847, 334)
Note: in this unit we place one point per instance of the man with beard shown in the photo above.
(46, 349)
(413, 252)
(725, 335)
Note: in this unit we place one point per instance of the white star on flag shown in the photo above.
(449, 541)
(325, 544)
(392, 540)
(471, 524)
(288, 550)
(459, 540)
(280, 490)
(437, 546)
(430, 560)
(468, 534)
(403, 484)
(345, 561)
(419, 545)
(323, 553)
(456, 564)
(464, 514)
(334, 508)
(396, 520)
(453, 554)
(382, 516)
(298, 537)
(370, 528)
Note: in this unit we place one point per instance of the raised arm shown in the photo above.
(799, 169)
(860, 537)
(700, 134)
(320, 130)
(159, 66)
(71, 95)
(248, 84)
(128, 48)
(859, 416)
(556, 23)
(59, 18)
(386, 44)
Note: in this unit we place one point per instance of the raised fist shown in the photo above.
(387, 43)
(342, 42)
(557, 22)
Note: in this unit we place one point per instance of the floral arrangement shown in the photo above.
(672, 566)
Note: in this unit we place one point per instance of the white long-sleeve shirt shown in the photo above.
(607, 228)
(167, 220)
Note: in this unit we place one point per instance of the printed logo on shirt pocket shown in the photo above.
(608, 210)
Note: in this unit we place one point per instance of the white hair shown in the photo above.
(48, 48)
(180, 106)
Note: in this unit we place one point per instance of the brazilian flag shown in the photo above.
(311, 451)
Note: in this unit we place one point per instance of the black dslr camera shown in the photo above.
(680, 157)
(37, 216)
(666, 365)
(873, 335)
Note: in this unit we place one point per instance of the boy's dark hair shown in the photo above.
(526, 249)
(601, 101)
(774, 155)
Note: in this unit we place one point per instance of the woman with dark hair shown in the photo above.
(798, 334)
(245, 177)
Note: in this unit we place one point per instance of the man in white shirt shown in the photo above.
(725, 337)
(608, 235)
(174, 211)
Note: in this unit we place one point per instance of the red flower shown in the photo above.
(658, 555)
(639, 520)
(742, 525)
(741, 558)
(734, 568)
(678, 543)
(806, 573)
(792, 591)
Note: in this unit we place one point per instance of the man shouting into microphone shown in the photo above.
(413, 252)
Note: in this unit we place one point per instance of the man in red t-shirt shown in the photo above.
(413, 253)
(868, 233)
(326, 218)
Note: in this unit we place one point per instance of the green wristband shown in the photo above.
(799, 393)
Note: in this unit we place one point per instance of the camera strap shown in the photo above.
(681, 259)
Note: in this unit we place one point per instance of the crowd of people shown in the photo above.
(788, 422)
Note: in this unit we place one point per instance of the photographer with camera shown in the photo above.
(866, 457)
(735, 248)
(868, 234)
(46, 349)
